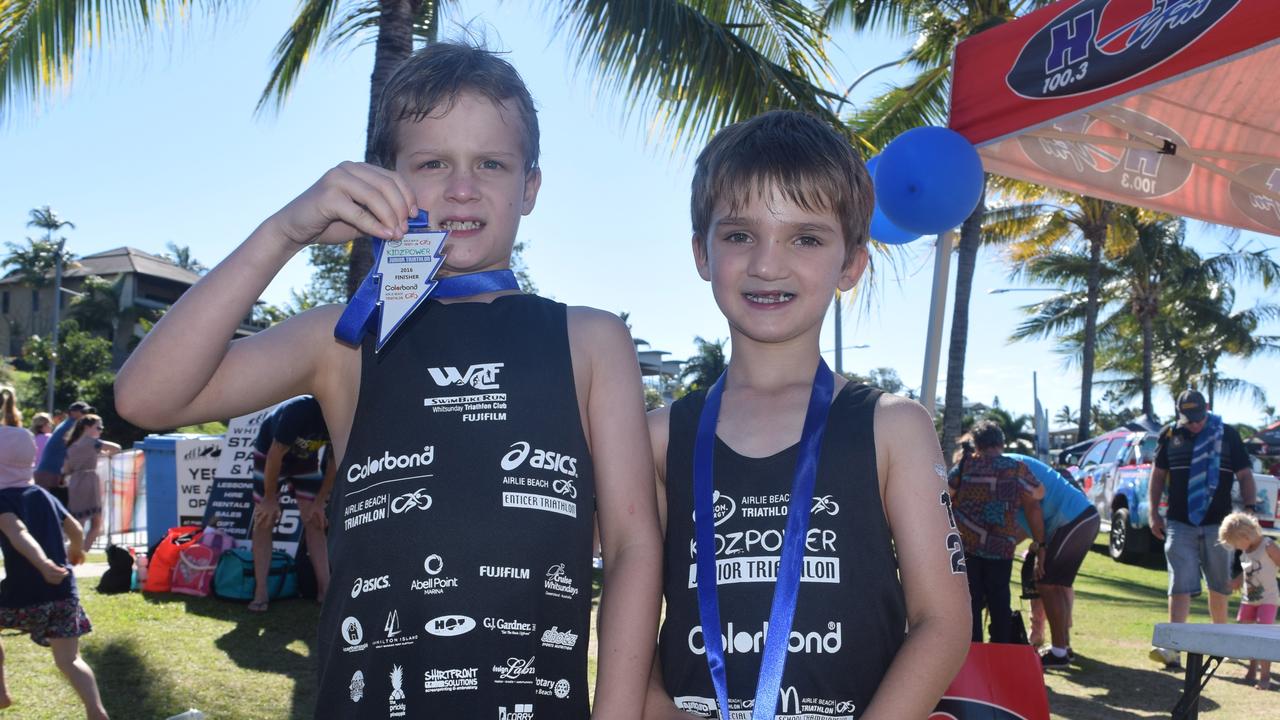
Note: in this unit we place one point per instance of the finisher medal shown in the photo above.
(403, 276)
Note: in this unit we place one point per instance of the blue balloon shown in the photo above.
(929, 179)
(883, 229)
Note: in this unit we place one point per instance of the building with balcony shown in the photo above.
(143, 282)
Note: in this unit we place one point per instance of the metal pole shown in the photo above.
(57, 307)
(937, 308)
(839, 339)
(1035, 413)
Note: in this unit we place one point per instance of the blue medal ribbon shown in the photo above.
(791, 563)
(360, 315)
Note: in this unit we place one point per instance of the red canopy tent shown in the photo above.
(1167, 104)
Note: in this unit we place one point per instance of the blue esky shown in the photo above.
(158, 144)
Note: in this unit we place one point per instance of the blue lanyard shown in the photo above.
(360, 315)
(787, 588)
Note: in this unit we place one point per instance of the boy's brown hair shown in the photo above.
(430, 80)
(810, 163)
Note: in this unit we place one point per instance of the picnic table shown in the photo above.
(1198, 640)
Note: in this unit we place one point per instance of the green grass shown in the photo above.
(157, 656)
(216, 427)
(1116, 608)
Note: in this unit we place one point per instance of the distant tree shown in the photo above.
(81, 355)
(84, 373)
(97, 308)
(1018, 436)
(181, 256)
(35, 263)
(706, 366)
(652, 399)
(521, 268)
(1066, 416)
(329, 281)
(1113, 411)
(266, 314)
(885, 378)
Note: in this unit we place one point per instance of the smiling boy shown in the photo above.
(460, 542)
(782, 447)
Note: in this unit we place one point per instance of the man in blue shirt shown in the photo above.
(1071, 524)
(48, 473)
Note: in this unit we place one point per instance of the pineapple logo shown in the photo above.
(357, 686)
(397, 682)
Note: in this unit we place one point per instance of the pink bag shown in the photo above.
(216, 540)
(193, 574)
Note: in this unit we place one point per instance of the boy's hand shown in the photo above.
(75, 555)
(350, 201)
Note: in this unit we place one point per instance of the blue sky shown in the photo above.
(161, 144)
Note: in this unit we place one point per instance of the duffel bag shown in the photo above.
(233, 577)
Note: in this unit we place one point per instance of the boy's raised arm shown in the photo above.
(187, 369)
(629, 536)
(931, 560)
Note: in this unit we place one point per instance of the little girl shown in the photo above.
(38, 595)
(1259, 557)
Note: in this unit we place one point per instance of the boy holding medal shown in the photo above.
(478, 440)
(833, 575)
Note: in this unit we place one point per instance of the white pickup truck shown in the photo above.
(1114, 472)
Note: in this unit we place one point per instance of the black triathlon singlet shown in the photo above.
(850, 617)
(460, 524)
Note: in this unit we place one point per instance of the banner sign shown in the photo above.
(230, 505)
(1162, 104)
(196, 460)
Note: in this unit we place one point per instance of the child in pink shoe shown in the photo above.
(1260, 596)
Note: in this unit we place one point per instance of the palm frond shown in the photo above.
(893, 16)
(40, 40)
(922, 102)
(303, 36)
(1243, 265)
(1058, 315)
(1004, 224)
(697, 71)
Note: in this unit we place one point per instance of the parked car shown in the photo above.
(1114, 470)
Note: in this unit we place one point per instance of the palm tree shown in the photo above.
(938, 26)
(1040, 221)
(1217, 329)
(97, 309)
(35, 263)
(181, 256)
(1153, 286)
(703, 369)
(656, 54)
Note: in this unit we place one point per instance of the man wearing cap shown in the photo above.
(1197, 458)
(48, 473)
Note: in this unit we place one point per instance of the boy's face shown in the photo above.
(774, 266)
(466, 168)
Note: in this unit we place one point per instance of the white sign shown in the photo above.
(195, 460)
(236, 462)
